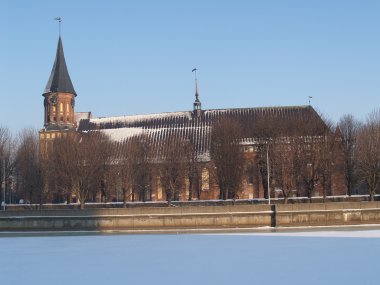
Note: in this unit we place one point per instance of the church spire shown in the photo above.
(196, 90)
(197, 103)
(59, 80)
(59, 95)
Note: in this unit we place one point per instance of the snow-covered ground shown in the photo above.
(324, 257)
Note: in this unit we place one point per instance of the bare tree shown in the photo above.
(312, 137)
(79, 160)
(349, 128)
(284, 161)
(193, 172)
(7, 162)
(124, 169)
(327, 163)
(325, 148)
(227, 155)
(368, 151)
(28, 167)
(173, 166)
(139, 155)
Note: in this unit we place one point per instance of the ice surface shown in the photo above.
(271, 258)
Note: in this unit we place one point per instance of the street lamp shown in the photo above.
(268, 173)
(3, 184)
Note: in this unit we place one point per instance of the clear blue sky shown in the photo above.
(136, 57)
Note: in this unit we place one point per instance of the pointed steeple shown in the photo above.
(59, 80)
(197, 103)
(196, 91)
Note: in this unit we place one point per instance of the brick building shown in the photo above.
(194, 126)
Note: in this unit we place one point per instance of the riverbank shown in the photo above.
(194, 218)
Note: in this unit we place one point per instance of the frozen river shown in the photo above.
(327, 257)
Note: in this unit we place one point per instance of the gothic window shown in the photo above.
(61, 108)
(54, 109)
(67, 108)
(159, 189)
(205, 179)
(187, 190)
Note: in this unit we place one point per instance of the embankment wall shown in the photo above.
(194, 217)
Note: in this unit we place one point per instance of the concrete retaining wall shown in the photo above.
(328, 214)
(177, 218)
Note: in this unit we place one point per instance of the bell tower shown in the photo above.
(59, 96)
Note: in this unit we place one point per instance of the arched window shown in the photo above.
(67, 108)
(159, 189)
(205, 185)
(61, 108)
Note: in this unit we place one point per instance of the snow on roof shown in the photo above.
(140, 118)
(82, 116)
(122, 133)
(184, 125)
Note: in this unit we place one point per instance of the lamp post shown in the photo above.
(268, 173)
(3, 184)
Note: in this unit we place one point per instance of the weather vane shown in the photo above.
(59, 19)
(309, 99)
(195, 70)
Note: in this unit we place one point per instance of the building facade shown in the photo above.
(195, 126)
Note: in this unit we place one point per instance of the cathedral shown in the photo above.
(193, 125)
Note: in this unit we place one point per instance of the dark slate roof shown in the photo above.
(254, 123)
(59, 80)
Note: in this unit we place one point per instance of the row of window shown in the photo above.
(61, 119)
(52, 135)
(61, 108)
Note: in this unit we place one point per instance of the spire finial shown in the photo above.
(195, 72)
(196, 83)
(197, 104)
(59, 19)
(310, 97)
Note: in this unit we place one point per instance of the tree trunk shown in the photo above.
(226, 193)
(190, 188)
(169, 198)
(124, 198)
(349, 191)
(81, 204)
(372, 195)
(41, 201)
(324, 191)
